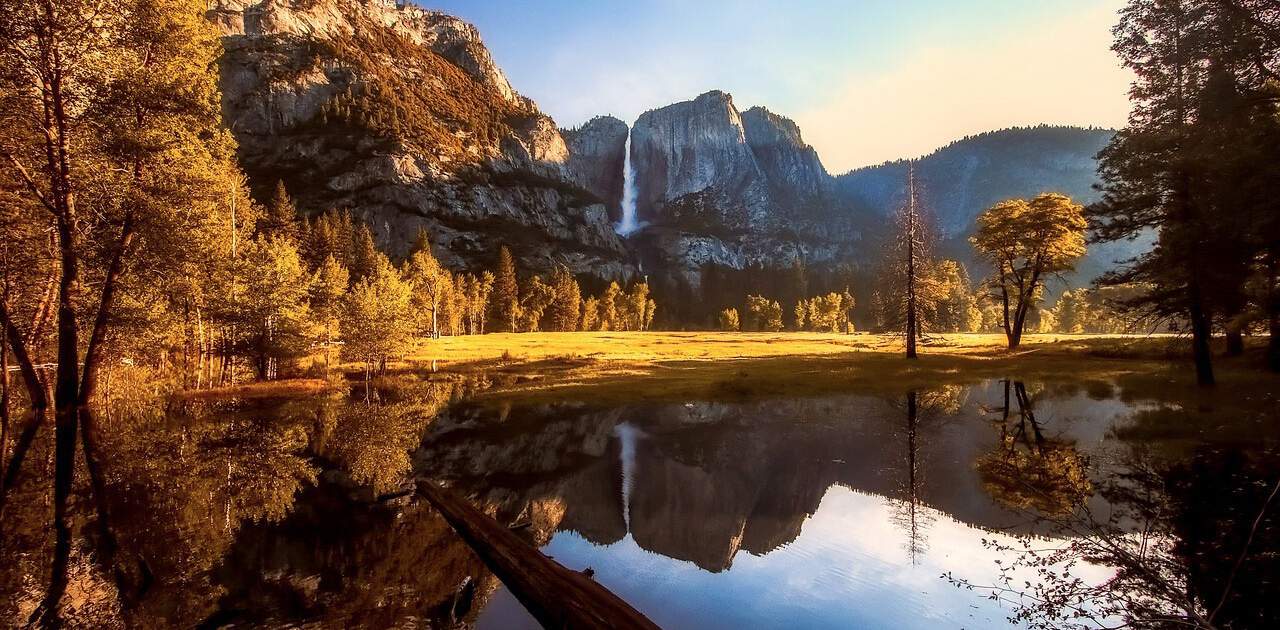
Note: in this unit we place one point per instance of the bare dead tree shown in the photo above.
(911, 243)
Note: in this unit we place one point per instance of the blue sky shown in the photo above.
(867, 80)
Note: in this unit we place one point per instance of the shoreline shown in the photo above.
(610, 367)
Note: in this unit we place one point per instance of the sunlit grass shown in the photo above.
(617, 367)
(633, 366)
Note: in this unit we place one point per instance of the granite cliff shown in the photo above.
(724, 187)
(597, 153)
(401, 115)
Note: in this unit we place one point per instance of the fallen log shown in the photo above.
(557, 597)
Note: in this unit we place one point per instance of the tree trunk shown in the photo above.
(1201, 331)
(1273, 312)
(1235, 342)
(435, 322)
(4, 401)
(912, 322)
(1004, 301)
(1019, 324)
(200, 349)
(557, 597)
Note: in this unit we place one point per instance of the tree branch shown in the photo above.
(31, 183)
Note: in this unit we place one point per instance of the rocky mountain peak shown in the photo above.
(697, 147)
(764, 127)
(452, 38)
(597, 157)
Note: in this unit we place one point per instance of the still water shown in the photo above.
(990, 505)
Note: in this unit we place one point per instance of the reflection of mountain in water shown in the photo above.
(302, 512)
(711, 479)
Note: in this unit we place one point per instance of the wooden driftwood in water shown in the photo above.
(557, 597)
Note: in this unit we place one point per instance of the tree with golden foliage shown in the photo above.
(328, 286)
(506, 291)
(1026, 243)
(728, 319)
(564, 311)
(376, 320)
(431, 286)
(111, 114)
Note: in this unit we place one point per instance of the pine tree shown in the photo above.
(564, 309)
(328, 286)
(506, 290)
(1187, 167)
(913, 254)
(364, 254)
(281, 217)
(421, 242)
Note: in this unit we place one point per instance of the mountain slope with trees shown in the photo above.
(399, 115)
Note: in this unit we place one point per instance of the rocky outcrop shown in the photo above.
(792, 168)
(597, 155)
(731, 189)
(698, 149)
(400, 115)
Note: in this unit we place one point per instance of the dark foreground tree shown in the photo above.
(1197, 166)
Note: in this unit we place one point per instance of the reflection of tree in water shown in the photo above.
(1028, 470)
(184, 489)
(906, 510)
(178, 491)
(1192, 540)
(907, 513)
(372, 443)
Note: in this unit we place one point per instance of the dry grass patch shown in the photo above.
(289, 388)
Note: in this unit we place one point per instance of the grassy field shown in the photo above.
(671, 365)
(721, 346)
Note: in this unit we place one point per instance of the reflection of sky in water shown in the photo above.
(849, 568)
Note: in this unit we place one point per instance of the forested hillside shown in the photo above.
(967, 176)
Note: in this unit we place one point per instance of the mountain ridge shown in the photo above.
(400, 115)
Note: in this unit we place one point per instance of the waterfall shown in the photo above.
(628, 223)
(627, 435)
